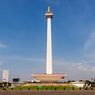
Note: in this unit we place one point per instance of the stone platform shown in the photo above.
(50, 78)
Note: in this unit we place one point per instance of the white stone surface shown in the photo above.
(49, 47)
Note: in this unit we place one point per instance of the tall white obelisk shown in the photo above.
(49, 16)
(49, 76)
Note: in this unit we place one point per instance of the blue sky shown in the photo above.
(23, 37)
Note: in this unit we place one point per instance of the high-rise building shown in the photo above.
(5, 77)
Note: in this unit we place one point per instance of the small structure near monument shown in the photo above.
(16, 80)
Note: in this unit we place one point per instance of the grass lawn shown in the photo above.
(44, 88)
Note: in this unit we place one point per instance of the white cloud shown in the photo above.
(22, 58)
(89, 50)
(90, 43)
(78, 66)
(74, 70)
(3, 45)
(81, 67)
(85, 67)
(1, 63)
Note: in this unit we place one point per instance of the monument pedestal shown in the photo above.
(51, 78)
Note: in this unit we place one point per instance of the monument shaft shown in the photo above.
(49, 48)
(49, 16)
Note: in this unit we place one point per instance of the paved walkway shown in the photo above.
(82, 92)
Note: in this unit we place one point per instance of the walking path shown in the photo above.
(82, 92)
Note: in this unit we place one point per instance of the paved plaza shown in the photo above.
(82, 92)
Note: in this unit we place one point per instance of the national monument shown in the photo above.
(49, 76)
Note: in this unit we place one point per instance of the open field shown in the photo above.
(82, 92)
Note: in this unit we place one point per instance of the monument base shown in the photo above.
(52, 78)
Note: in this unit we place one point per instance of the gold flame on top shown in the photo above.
(48, 8)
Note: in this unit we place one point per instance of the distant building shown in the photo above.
(16, 79)
(78, 84)
(5, 77)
